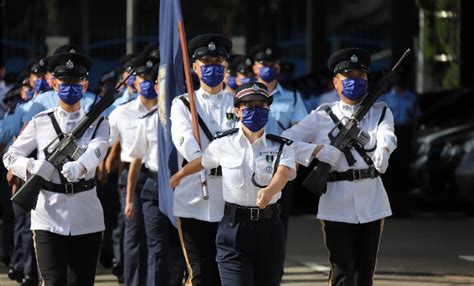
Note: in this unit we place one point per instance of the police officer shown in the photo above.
(111, 166)
(23, 265)
(230, 74)
(165, 257)
(68, 221)
(353, 209)
(255, 168)
(10, 126)
(199, 217)
(123, 123)
(286, 110)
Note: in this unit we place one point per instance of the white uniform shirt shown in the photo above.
(240, 160)
(217, 111)
(145, 145)
(123, 125)
(359, 201)
(63, 214)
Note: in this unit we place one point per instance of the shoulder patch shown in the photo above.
(226, 133)
(279, 139)
(149, 113)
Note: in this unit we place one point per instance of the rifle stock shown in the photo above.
(315, 182)
(27, 195)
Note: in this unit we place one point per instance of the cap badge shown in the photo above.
(268, 51)
(248, 62)
(211, 47)
(69, 64)
(41, 62)
(149, 64)
(354, 59)
(255, 88)
(72, 51)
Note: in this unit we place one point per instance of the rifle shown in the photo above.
(349, 134)
(63, 151)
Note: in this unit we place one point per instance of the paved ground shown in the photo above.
(426, 250)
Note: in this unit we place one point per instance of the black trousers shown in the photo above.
(250, 253)
(352, 251)
(67, 260)
(200, 246)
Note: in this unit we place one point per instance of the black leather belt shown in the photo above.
(216, 171)
(353, 174)
(241, 213)
(70, 188)
(149, 173)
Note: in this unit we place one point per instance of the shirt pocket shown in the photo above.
(151, 134)
(232, 173)
(264, 167)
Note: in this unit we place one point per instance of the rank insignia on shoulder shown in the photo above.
(226, 133)
(279, 139)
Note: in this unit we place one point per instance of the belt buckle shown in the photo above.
(356, 174)
(69, 188)
(254, 214)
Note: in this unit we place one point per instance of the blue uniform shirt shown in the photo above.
(11, 125)
(286, 110)
(125, 97)
(404, 106)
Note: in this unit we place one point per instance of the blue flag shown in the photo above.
(171, 85)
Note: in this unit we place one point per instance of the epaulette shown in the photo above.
(131, 99)
(324, 106)
(226, 133)
(149, 113)
(279, 139)
(45, 112)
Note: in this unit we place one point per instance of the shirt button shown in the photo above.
(213, 122)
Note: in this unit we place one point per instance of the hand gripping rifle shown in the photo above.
(349, 133)
(63, 149)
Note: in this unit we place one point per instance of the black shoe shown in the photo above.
(6, 260)
(15, 275)
(28, 281)
(120, 279)
(117, 270)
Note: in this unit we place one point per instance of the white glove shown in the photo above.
(41, 168)
(380, 158)
(72, 171)
(329, 154)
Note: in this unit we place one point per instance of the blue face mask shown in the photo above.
(354, 88)
(41, 85)
(231, 82)
(255, 118)
(247, 80)
(30, 93)
(268, 74)
(212, 74)
(70, 93)
(131, 81)
(147, 89)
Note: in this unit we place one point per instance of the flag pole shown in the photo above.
(190, 89)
